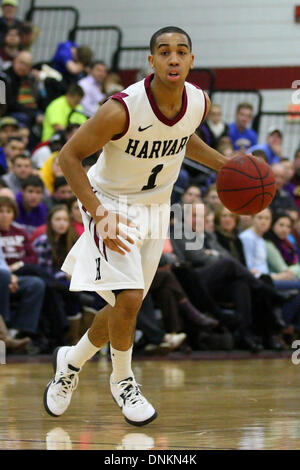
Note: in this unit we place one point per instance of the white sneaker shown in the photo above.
(135, 408)
(58, 393)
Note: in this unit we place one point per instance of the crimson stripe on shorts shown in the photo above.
(104, 251)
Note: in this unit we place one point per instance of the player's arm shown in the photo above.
(199, 151)
(110, 120)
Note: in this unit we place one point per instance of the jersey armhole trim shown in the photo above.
(119, 97)
(205, 108)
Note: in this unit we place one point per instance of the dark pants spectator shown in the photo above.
(29, 300)
(148, 324)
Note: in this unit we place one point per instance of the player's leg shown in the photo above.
(125, 391)
(121, 325)
(68, 360)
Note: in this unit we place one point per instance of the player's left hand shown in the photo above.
(110, 231)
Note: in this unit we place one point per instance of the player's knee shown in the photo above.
(130, 300)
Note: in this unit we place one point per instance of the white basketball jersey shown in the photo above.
(143, 162)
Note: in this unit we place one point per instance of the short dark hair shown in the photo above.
(98, 62)
(84, 55)
(26, 27)
(72, 126)
(75, 90)
(260, 153)
(244, 105)
(59, 182)
(91, 160)
(23, 156)
(168, 29)
(33, 180)
(11, 28)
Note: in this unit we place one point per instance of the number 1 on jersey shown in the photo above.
(151, 181)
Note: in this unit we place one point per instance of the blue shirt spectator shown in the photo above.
(273, 146)
(242, 140)
(241, 135)
(3, 164)
(71, 59)
(255, 251)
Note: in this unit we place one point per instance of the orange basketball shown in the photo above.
(246, 185)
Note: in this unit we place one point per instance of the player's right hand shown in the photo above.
(111, 233)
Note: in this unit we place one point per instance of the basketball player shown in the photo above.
(145, 133)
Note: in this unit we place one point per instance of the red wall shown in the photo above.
(243, 78)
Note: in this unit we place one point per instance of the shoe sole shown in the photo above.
(54, 364)
(137, 423)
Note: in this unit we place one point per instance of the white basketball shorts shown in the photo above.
(94, 267)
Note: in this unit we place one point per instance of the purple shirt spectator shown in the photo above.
(32, 219)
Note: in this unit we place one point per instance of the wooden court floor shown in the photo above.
(232, 404)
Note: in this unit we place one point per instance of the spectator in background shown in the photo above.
(22, 90)
(8, 126)
(260, 154)
(273, 146)
(76, 217)
(213, 128)
(24, 133)
(52, 248)
(50, 170)
(296, 178)
(58, 112)
(9, 285)
(20, 170)
(13, 147)
(4, 191)
(289, 173)
(62, 191)
(226, 149)
(219, 275)
(32, 212)
(191, 194)
(282, 200)
(112, 84)
(10, 48)
(8, 18)
(18, 252)
(92, 86)
(28, 35)
(71, 60)
(180, 185)
(212, 198)
(242, 137)
(227, 232)
(43, 151)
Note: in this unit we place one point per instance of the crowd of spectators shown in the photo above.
(240, 290)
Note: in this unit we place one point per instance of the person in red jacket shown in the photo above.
(18, 252)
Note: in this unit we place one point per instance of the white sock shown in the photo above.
(121, 363)
(82, 352)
